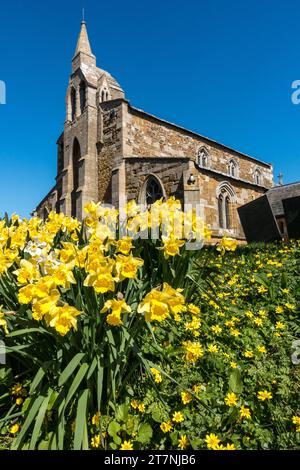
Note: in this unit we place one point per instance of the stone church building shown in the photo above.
(110, 149)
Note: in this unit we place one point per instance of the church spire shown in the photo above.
(83, 43)
(83, 53)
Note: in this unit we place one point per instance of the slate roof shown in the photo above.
(278, 193)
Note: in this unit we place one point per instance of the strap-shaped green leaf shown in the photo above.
(67, 372)
(77, 381)
(28, 421)
(81, 418)
(39, 420)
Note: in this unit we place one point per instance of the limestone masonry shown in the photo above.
(110, 150)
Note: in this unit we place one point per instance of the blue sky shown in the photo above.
(221, 68)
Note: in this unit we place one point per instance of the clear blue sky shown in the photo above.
(222, 68)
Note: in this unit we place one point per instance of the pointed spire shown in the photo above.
(83, 43)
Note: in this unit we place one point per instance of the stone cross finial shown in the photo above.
(280, 176)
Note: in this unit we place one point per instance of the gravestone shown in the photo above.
(291, 208)
(258, 221)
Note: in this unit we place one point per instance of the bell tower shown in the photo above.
(77, 180)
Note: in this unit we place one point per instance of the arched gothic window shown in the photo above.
(224, 208)
(104, 95)
(75, 163)
(82, 96)
(233, 168)
(73, 103)
(203, 158)
(153, 190)
(257, 176)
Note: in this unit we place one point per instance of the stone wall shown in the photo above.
(208, 189)
(169, 172)
(109, 147)
(149, 136)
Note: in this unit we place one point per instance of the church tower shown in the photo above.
(78, 146)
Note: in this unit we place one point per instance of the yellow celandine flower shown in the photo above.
(19, 401)
(290, 306)
(231, 399)
(96, 418)
(166, 426)
(262, 289)
(264, 395)
(141, 407)
(96, 441)
(296, 421)
(229, 447)
(14, 428)
(233, 365)
(186, 397)
(172, 246)
(193, 325)
(261, 349)
(196, 388)
(177, 417)
(127, 445)
(183, 442)
(212, 441)
(245, 412)
(258, 321)
(193, 309)
(279, 309)
(248, 353)
(116, 308)
(235, 332)
(134, 404)
(156, 374)
(216, 329)
(17, 389)
(193, 351)
(279, 325)
(262, 313)
(213, 348)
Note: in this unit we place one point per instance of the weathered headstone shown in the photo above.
(258, 221)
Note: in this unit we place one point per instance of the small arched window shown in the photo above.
(257, 176)
(102, 96)
(233, 169)
(82, 96)
(225, 206)
(153, 190)
(203, 158)
(75, 163)
(73, 103)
